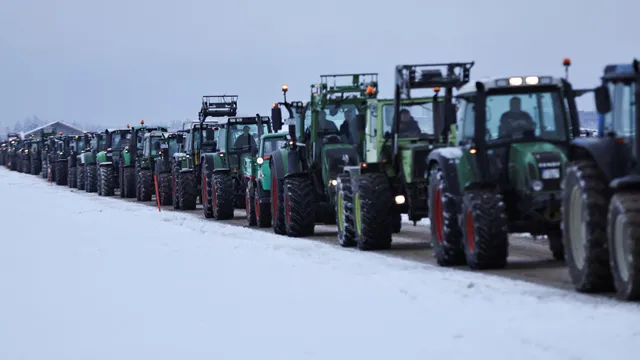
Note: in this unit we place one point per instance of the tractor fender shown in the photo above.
(447, 160)
(287, 162)
(105, 164)
(611, 163)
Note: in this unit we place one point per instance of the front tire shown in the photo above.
(263, 209)
(80, 176)
(164, 188)
(624, 248)
(277, 204)
(91, 181)
(145, 185)
(250, 203)
(205, 198)
(105, 185)
(372, 202)
(72, 177)
(585, 199)
(61, 173)
(187, 190)
(222, 196)
(446, 236)
(298, 206)
(485, 230)
(344, 212)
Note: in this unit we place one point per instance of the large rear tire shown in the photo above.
(372, 207)
(624, 247)
(298, 206)
(446, 236)
(485, 230)
(344, 212)
(222, 196)
(585, 201)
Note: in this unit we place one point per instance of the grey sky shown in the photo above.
(118, 61)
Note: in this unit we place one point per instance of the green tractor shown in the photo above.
(59, 160)
(601, 197)
(154, 143)
(258, 179)
(111, 171)
(25, 156)
(185, 163)
(171, 145)
(77, 146)
(37, 152)
(504, 175)
(88, 174)
(129, 158)
(3, 152)
(391, 180)
(223, 178)
(304, 174)
(14, 145)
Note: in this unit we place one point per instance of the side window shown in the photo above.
(307, 118)
(608, 118)
(373, 120)
(222, 139)
(468, 121)
(145, 146)
(624, 120)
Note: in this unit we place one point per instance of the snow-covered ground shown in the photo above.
(84, 277)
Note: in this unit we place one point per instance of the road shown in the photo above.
(529, 260)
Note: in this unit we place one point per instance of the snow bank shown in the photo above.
(84, 277)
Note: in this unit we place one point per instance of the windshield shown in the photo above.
(156, 144)
(511, 116)
(174, 147)
(209, 135)
(120, 139)
(271, 145)
(415, 120)
(245, 136)
(624, 104)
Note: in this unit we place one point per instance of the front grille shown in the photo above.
(420, 163)
(549, 160)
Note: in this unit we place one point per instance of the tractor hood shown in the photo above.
(536, 166)
(334, 158)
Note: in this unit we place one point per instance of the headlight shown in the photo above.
(547, 174)
(400, 199)
(333, 182)
(260, 161)
(537, 185)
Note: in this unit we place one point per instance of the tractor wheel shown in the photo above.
(277, 204)
(585, 199)
(187, 190)
(91, 180)
(26, 167)
(372, 204)
(35, 168)
(206, 196)
(446, 236)
(145, 185)
(624, 248)
(344, 212)
(51, 175)
(555, 245)
(43, 168)
(299, 214)
(61, 173)
(222, 196)
(175, 171)
(129, 177)
(164, 188)
(262, 209)
(72, 177)
(105, 185)
(250, 203)
(80, 176)
(395, 221)
(485, 230)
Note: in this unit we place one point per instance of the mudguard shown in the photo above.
(289, 162)
(448, 159)
(264, 176)
(612, 163)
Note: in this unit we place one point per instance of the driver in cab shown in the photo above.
(408, 125)
(245, 140)
(515, 120)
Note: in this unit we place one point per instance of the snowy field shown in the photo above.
(89, 278)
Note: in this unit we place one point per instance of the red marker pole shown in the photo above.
(155, 182)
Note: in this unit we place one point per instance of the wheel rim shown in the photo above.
(621, 251)
(438, 217)
(577, 228)
(340, 206)
(471, 232)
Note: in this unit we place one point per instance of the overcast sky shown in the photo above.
(118, 61)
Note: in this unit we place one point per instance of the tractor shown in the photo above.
(400, 133)
(304, 174)
(223, 180)
(59, 159)
(258, 178)
(110, 167)
(14, 145)
(25, 155)
(3, 153)
(601, 192)
(185, 163)
(163, 165)
(129, 158)
(154, 143)
(504, 174)
(77, 146)
(37, 152)
(87, 162)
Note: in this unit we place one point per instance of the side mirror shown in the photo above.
(276, 118)
(603, 99)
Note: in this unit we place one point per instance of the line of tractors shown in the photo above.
(480, 159)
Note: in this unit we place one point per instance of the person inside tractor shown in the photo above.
(245, 141)
(515, 120)
(209, 140)
(409, 127)
(347, 125)
(325, 125)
